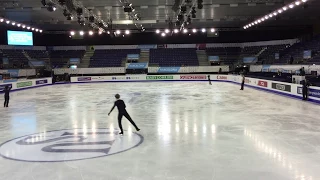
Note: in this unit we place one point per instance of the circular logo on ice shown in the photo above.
(68, 145)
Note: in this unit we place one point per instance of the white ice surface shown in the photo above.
(192, 131)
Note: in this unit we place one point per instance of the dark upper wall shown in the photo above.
(153, 38)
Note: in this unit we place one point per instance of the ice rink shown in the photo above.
(189, 131)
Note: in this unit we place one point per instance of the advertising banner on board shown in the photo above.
(222, 77)
(168, 69)
(137, 66)
(191, 77)
(159, 77)
(312, 92)
(84, 78)
(14, 72)
(4, 85)
(263, 83)
(281, 87)
(24, 84)
(43, 81)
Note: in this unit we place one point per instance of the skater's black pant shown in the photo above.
(125, 114)
(210, 82)
(305, 93)
(6, 101)
(242, 84)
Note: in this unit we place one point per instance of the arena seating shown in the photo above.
(60, 58)
(110, 57)
(227, 55)
(16, 58)
(37, 54)
(174, 57)
(296, 51)
(268, 56)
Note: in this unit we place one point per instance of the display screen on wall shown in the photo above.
(307, 54)
(20, 38)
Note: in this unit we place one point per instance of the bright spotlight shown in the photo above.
(118, 32)
(32, 29)
(90, 33)
(28, 27)
(262, 19)
(40, 31)
(285, 8)
(256, 22)
(108, 32)
(37, 30)
(297, 3)
(166, 31)
(212, 30)
(203, 30)
(291, 6)
(185, 30)
(7, 22)
(72, 33)
(244, 27)
(157, 31)
(1, 20)
(304, 0)
(100, 32)
(275, 13)
(194, 30)
(18, 25)
(13, 23)
(127, 32)
(54, 8)
(163, 34)
(266, 17)
(279, 11)
(259, 21)
(81, 33)
(270, 15)
(23, 26)
(175, 30)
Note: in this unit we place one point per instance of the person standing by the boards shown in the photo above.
(122, 112)
(209, 79)
(305, 89)
(242, 82)
(6, 96)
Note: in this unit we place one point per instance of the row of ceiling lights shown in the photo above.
(23, 26)
(81, 33)
(274, 14)
(167, 31)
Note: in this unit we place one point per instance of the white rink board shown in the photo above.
(273, 86)
(28, 83)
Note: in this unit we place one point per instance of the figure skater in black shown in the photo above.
(122, 112)
(209, 79)
(6, 96)
(242, 81)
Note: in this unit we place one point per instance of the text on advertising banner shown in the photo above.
(168, 69)
(158, 77)
(24, 84)
(281, 87)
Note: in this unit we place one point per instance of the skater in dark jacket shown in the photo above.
(122, 112)
(209, 79)
(242, 81)
(6, 96)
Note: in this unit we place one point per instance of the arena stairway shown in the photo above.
(202, 58)
(144, 56)
(85, 61)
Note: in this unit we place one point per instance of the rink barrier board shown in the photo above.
(280, 88)
(25, 84)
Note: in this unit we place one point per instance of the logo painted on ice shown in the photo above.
(68, 145)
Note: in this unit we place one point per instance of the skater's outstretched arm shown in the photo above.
(112, 108)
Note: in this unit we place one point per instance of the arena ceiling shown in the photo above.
(154, 14)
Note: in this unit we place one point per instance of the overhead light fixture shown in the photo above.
(291, 6)
(100, 32)
(266, 17)
(108, 32)
(1, 20)
(270, 15)
(28, 27)
(37, 30)
(127, 32)
(23, 26)
(18, 25)
(32, 29)
(13, 23)
(244, 27)
(175, 30)
(297, 3)
(118, 32)
(81, 33)
(280, 11)
(259, 21)
(212, 30)
(304, 0)
(163, 34)
(40, 31)
(275, 13)
(194, 30)
(262, 19)
(90, 33)
(185, 30)
(203, 30)
(7, 22)
(284, 8)
(166, 31)
(157, 31)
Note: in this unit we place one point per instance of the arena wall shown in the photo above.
(26, 84)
